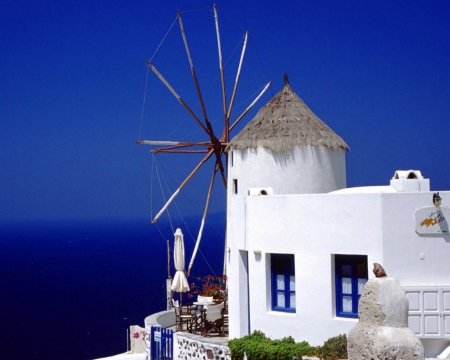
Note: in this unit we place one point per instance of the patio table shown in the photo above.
(201, 303)
(200, 319)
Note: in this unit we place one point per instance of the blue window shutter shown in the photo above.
(283, 282)
(351, 276)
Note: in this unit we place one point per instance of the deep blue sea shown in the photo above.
(71, 290)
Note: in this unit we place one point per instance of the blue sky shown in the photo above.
(73, 79)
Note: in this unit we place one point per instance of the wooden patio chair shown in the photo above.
(212, 319)
(186, 317)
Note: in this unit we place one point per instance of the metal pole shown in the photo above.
(168, 259)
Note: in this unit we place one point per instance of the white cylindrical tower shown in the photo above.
(286, 147)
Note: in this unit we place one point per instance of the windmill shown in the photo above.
(214, 147)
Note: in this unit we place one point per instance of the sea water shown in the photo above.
(71, 290)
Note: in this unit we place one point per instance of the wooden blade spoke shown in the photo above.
(194, 75)
(220, 165)
(178, 97)
(222, 77)
(230, 107)
(170, 151)
(226, 130)
(182, 185)
(250, 106)
(174, 143)
(222, 170)
(200, 232)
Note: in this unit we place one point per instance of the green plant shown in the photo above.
(334, 348)
(259, 347)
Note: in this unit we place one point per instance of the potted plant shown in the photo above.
(215, 286)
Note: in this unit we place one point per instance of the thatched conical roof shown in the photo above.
(284, 122)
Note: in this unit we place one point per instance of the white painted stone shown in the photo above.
(384, 303)
(137, 339)
(382, 331)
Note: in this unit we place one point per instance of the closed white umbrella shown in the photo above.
(179, 283)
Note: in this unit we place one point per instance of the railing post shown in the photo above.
(152, 343)
(171, 344)
(160, 344)
(163, 344)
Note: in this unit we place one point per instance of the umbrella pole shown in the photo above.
(169, 280)
(169, 294)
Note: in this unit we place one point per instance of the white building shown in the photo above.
(301, 245)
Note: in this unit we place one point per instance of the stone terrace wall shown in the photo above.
(186, 347)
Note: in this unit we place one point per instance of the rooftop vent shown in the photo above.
(410, 181)
(408, 174)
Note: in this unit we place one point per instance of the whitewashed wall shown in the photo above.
(403, 247)
(304, 170)
(314, 227)
(421, 262)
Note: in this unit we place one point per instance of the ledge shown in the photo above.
(165, 319)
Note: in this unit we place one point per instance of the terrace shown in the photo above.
(192, 336)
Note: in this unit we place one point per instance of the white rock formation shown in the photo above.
(382, 331)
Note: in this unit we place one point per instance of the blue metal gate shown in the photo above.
(161, 343)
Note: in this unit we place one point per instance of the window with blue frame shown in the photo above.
(283, 282)
(351, 276)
